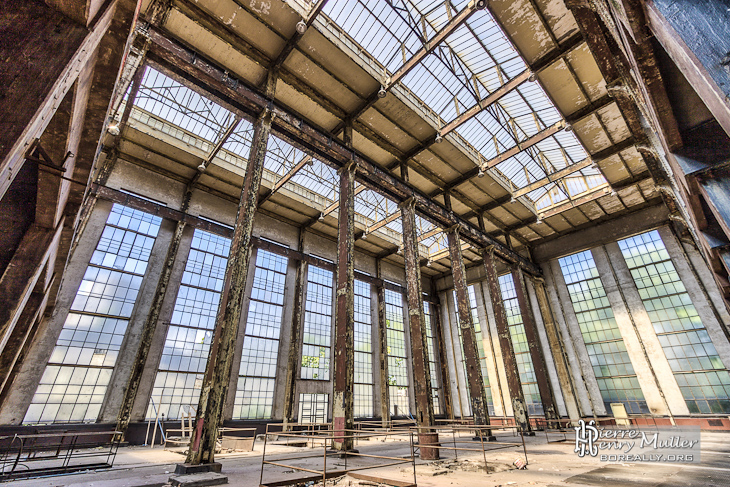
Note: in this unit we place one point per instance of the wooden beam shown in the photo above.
(285, 179)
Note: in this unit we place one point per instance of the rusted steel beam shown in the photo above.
(445, 32)
(206, 77)
(419, 343)
(596, 158)
(383, 344)
(488, 207)
(294, 40)
(344, 350)
(493, 97)
(525, 144)
(474, 379)
(549, 406)
(505, 343)
(284, 179)
(560, 358)
(566, 47)
(293, 364)
(390, 218)
(438, 331)
(220, 360)
(224, 138)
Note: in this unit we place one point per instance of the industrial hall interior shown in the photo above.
(387, 231)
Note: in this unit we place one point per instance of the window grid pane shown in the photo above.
(317, 330)
(185, 353)
(73, 385)
(363, 397)
(313, 408)
(606, 349)
(519, 342)
(261, 340)
(700, 373)
(397, 361)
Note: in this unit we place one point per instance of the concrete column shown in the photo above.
(344, 349)
(218, 370)
(519, 407)
(456, 357)
(705, 294)
(294, 361)
(30, 372)
(547, 397)
(661, 373)
(557, 361)
(154, 354)
(485, 313)
(127, 374)
(591, 401)
(629, 332)
(383, 352)
(418, 338)
(502, 387)
(475, 382)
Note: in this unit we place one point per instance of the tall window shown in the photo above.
(257, 374)
(317, 330)
(519, 342)
(185, 354)
(73, 385)
(432, 360)
(606, 349)
(397, 362)
(363, 398)
(480, 344)
(701, 375)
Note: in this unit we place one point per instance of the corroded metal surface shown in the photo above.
(505, 343)
(344, 351)
(416, 322)
(220, 361)
(474, 379)
(297, 319)
(549, 407)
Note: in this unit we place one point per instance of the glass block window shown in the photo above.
(432, 358)
(313, 408)
(397, 361)
(363, 398)
(73, 385)
(185, 352)
(701, 375)
(606, 349)
(480, 344)
(257, 374)
(519, 342)
(317, 330)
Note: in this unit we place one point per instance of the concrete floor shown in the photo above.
(550, 464)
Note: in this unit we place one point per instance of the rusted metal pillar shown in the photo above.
(419, 344)
(474, 379)
(220, 360)
(438, 331)
(383, 343)
(297, 319)
(549, 406)
(505, 343)
(344, 366)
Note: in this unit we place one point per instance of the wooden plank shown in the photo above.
(380, 480)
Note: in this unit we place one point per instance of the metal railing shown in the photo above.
(45, 454)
